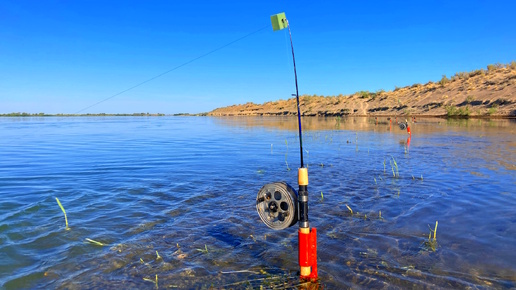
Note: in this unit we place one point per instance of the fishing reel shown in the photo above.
(276, 204)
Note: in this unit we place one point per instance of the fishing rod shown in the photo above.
(297, 94)
(278, 205)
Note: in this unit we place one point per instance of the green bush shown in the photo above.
(443, 80)
(453, 111)
(364, 94)
(493, 109)
(462, 75)
(476, 72)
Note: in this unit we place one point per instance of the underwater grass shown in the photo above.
(62, 208)
(153, 281)
(431, 243)
(270, 281)
(205, 250)
(95, 242)
(396, 165)
(435, 231)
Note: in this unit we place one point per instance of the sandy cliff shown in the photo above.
(479, 93)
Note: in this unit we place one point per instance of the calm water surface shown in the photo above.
(185, 187)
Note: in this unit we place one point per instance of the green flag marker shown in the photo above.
(279, 21)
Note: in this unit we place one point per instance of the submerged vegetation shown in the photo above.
(369, 215)
(431, 243)
(95, 242)
(64, 212)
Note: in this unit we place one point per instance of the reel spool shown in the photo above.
(403, 126)
(276, 204)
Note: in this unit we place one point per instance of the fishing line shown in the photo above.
(175, 68)
(287, 54)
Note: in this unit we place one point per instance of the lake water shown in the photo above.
(185, 188)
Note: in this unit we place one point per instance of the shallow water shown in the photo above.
(181, 185)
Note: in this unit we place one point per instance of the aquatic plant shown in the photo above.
(158, 256)
(435, 231)
(396, 165)
(95, 242)
(431, 243)
(349, 209)
(62, 208)
(205, 250)
(153, 281)
(283, 281)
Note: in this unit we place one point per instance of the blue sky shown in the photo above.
(64, 56)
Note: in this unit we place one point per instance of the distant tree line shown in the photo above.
(23, 114)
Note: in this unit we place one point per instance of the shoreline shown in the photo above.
(480, 93)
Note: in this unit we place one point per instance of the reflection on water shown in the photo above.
(175, 197)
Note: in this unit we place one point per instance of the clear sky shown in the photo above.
(64, 56)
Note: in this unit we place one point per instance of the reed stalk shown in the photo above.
(62, 208)
(349, 209)
(95, 242)
(435, 231)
